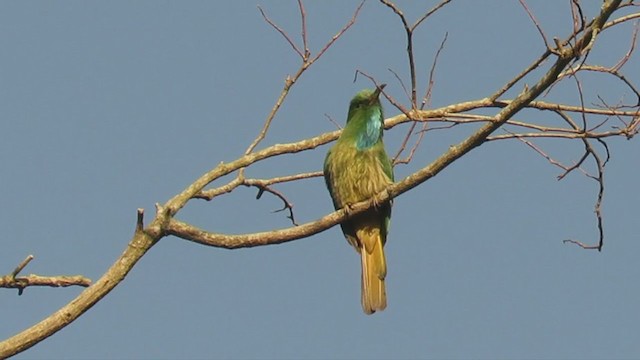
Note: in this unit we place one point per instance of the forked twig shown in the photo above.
(287, 205)
(426, 99)
(598, 206)
(281, 32)
(12, 281)
(409, 30)
(541, 152)
(307, 61)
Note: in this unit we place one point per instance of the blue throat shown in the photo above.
(372, 131)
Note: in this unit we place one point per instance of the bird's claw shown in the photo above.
(376, 199)
(348, 208)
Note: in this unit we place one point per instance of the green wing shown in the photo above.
(387, 167)
(328, 176)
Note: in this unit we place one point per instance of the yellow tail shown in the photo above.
(374, 270)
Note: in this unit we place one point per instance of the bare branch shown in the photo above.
(404, 88)
(425, 100)
(333, 121)
(415, 146)
(283, 179)
(339, 33)
(139, 245)
(306, 63)
(303, 30)
(263, 185)
(23, 282)
(632, 46)
(539, 151)
(578, 17)
(621, 20)
(598, 206)
(427, 96)
(520, 76)
(21, 266)
(12, 281)
(409, 34)
(429, 13)
(281, 31)
(403, 145)
(613, 70)
(265, 188)
(581, 244)
(535, 22)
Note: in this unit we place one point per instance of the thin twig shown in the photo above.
(283, 179)
(263, 185)
(404, 88)
(632, 46)
(621, 20)
(429, 13)
(530, 144)
(415, 146)
(427, 96)
(598, 206)
(303, 30)
(426, 99)
(395, 160)
(287, 205)
(281, 31)
(535, 22)
(581, 244)
(339, 33)
(409, 30)
(333, 121)
(409, 35)
(578, 17)
(21, 266)
(306, 63)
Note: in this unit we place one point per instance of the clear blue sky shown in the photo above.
(111, 106)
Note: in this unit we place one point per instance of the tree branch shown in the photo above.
(12, 281)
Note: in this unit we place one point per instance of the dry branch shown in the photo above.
(13, 281)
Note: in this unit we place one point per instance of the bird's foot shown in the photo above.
(377, 202)
(348, 208)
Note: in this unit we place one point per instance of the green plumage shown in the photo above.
(356, 168)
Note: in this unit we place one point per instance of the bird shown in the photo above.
(356, 168)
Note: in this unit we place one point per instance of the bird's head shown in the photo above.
(364, 101)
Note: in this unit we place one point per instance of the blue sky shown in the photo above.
(112, 106)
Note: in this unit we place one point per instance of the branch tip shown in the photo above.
(21, 266)
(583, 245)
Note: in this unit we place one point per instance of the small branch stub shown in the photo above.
(21, 266)
(140, 220)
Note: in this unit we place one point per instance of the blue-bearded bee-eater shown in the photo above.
(356, 168)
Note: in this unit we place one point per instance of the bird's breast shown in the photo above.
(357, 174)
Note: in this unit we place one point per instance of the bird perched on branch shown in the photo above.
(356, 168)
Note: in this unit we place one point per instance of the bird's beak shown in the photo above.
(376, 94)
